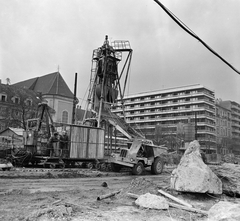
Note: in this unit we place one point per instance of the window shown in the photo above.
(28, 102)
(16, 113)
(64, 117)
(16, 100)
(3, 97)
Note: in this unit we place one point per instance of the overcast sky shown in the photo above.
(37, 36)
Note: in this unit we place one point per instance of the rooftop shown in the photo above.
(51, 84)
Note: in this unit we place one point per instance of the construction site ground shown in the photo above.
(71, 194)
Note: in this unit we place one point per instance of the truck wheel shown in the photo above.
(138, 169)
(157, 166)
(115, 167)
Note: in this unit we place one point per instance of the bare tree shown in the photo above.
(23, 104)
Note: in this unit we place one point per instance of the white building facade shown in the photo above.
(172, 107)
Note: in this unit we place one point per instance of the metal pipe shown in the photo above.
(74, 99)
(108, 195)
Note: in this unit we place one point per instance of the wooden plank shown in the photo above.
(175, 198)
(87, 144)
(97, 144)
(135, 196)
(100, 144)
(92, 143)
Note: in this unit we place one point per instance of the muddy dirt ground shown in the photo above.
(71, 194)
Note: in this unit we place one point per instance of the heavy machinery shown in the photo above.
(103, 133)
(35, 139)
(140, 155)
(103, 93)
(39, 130)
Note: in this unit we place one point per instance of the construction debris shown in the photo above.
(152, 201)
(193, 175)
(230, 177)
(141, 186)
(104, 184)
(108, 195)
(224, 210)
(175, 199)
(194, 210)
(174, 205)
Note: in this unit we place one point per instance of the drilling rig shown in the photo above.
(105, 88)
(104, 92)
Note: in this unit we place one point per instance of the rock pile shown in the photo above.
(141, 185)
(193, 175)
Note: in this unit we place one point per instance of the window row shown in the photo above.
(167, 95)
(225, 123)
(15, 99)
(223, 132)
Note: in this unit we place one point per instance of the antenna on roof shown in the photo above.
(58, 68)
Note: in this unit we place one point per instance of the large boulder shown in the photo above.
(152, 201)
(193, 175)
(224, 210)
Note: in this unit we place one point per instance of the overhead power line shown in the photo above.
(189, 31)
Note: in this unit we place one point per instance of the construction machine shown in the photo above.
(39, 130)
(105, 88)
(35, 139)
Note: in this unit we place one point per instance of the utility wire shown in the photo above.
(189, 31)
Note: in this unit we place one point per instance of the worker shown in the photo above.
(63, 145)
(52, 142)
(142, 151)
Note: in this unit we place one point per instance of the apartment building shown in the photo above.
(223, 128)
(235, 123)
(192, 105)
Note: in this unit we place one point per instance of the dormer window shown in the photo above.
(16, 100)
(3, 97)
(28, 102)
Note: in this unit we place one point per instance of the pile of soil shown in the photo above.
(141, 186)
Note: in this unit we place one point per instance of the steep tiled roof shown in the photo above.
(52, 84)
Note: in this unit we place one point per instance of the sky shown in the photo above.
(43, 36)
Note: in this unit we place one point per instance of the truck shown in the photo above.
(139, 155)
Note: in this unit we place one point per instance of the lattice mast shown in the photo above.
(105, 80)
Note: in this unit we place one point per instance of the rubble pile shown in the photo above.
(230, 158)
(230, 177)
(193, 175)
(58, 212)
(141, 186)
